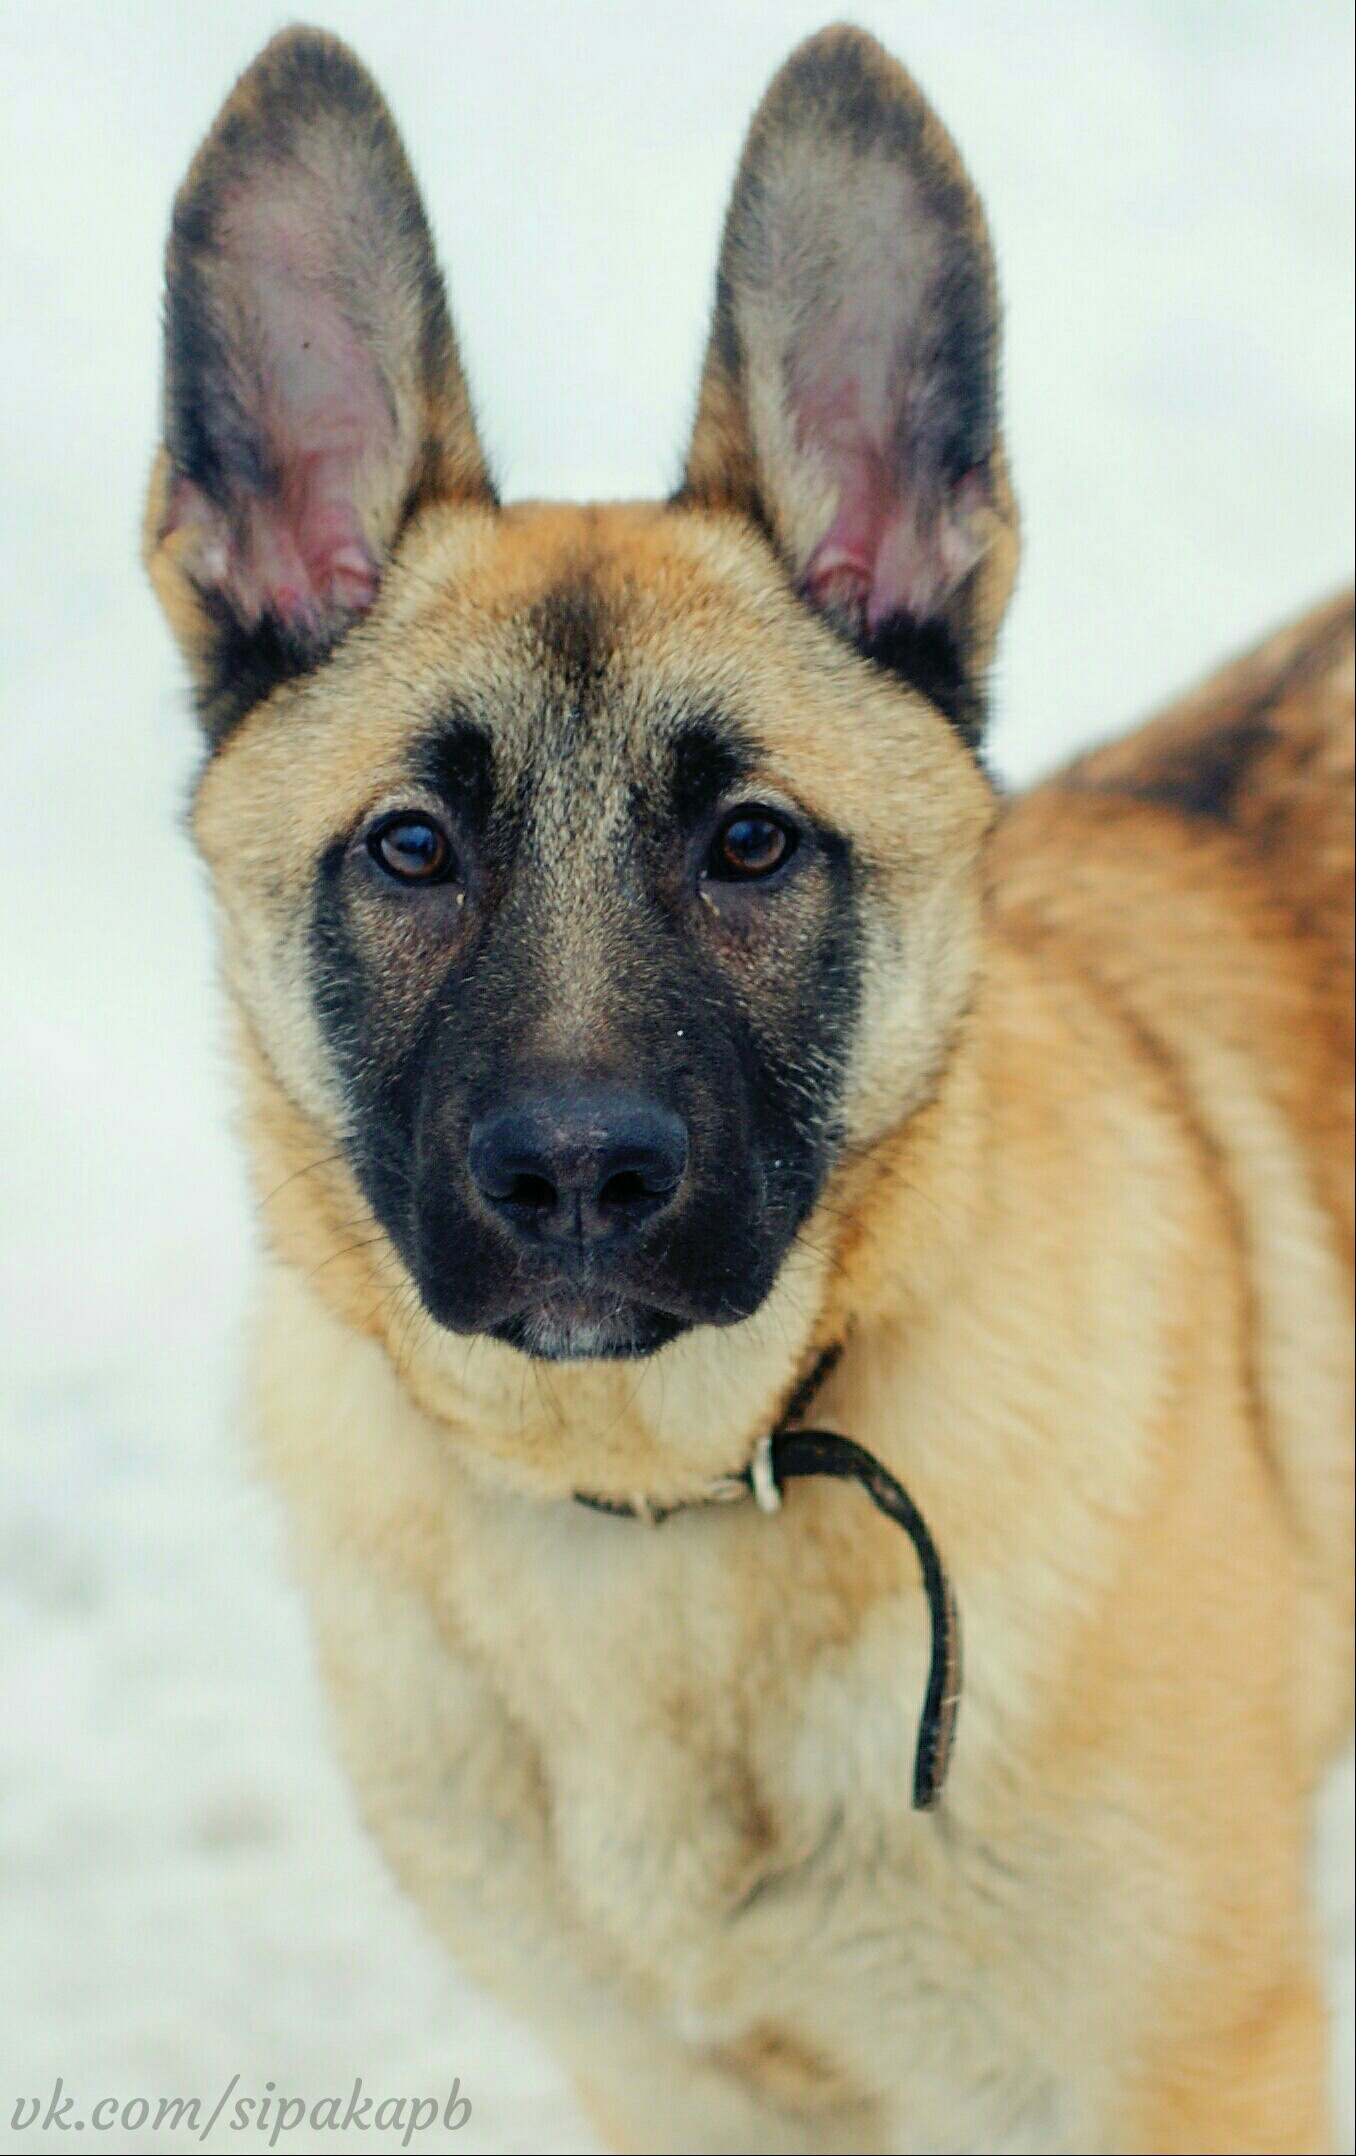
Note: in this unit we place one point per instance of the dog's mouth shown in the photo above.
(588, 1312)
(579, 1329)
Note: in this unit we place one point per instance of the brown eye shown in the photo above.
(413, 850)
(748, 844)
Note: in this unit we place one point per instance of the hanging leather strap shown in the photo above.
(820, 1452)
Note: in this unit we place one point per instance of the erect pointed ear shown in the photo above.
(850, 396)
(313, 395)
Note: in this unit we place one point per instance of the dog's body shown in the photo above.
(1068, 1158)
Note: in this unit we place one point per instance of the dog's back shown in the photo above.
(1202, 870)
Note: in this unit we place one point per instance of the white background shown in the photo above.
(185, 1894)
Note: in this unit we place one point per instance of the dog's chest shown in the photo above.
(729, 1809)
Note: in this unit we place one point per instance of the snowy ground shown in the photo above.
(185, 1894)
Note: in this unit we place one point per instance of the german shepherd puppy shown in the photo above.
(640, 991)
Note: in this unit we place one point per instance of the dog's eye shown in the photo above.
(750, 843)
(413, 850)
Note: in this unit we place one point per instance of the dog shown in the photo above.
(655, 1032)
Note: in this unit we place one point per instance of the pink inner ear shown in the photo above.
(295, 551)
(302, 556)
(842, 569)
(887, 551)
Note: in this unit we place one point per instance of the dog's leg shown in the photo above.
(1249, 2089)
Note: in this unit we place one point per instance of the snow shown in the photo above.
(185, 1892)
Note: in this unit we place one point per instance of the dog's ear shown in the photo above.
(313, 397)
(850, 396)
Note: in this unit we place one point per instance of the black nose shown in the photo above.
(581, 1164)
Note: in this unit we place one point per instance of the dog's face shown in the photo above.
(593, 880)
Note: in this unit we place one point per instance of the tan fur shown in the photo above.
(1088, 1246)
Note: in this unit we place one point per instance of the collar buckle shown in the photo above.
(767, 1492)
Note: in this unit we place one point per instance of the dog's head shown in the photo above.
(594, 881)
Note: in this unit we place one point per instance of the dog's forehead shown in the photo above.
(585, 693)
(589, 638)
